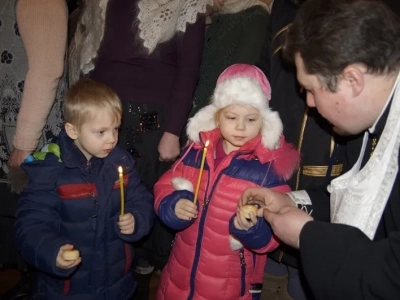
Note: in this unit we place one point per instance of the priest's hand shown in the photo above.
(265, 198)
(287, 223)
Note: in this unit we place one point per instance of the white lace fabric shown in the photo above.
(234, 6)
(159, 20)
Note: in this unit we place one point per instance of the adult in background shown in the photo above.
(349, 70)
(149, 53)
(235, 35)
(33, 35)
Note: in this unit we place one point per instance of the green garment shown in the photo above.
(230, 39)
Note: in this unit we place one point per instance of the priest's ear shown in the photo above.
(354, 78)
(71, 131)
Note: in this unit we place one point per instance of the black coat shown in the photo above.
(230, 39)
(341, 262)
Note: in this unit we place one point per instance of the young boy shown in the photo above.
(73, 201)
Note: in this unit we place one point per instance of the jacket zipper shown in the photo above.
(198, 244)
(242, 273)
(128, 257)
(67, 286)
(201, 228)
(205, 203)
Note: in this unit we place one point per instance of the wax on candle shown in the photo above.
(121, 188)
(200, 173)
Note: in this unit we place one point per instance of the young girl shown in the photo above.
(245, 148)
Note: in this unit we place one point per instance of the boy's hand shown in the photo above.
(185, 209)
(240, 222)
(126, 223)
(66, 264)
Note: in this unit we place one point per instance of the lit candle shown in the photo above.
(121, 188)
(200, 173)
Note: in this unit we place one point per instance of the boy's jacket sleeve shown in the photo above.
(37, 223)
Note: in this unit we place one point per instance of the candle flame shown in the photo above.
(206, 145)
(120, 169)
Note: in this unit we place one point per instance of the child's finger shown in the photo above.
(185, 215)
(125, 217)
(253, 219)
(188, 203)
(236, 223)
(126, 226)
(125, 222)
(67, 264)
(76, 262)
(127, 231)
(239, 221)
(67, 247)
(190, 209)
(243, 221)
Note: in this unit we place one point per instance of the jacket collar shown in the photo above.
(254, 147)
(73, 157)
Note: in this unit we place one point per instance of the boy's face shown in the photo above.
(239, 124)
(97, 136)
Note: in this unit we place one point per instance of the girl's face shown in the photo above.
(238, 124)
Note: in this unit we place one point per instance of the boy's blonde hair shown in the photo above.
(85, 98)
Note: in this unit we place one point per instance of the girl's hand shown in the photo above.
(185, 209)
(240, 222)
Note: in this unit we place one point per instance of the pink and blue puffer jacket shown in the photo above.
(202, 264)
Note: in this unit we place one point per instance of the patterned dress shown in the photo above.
(13, 69)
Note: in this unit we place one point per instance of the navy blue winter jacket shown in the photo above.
(78, 202)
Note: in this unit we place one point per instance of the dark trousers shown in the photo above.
(9, 255)
(282, 282)
(140, 134)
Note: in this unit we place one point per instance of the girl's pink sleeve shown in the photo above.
(163, 186)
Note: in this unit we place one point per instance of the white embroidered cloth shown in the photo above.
(159, 20)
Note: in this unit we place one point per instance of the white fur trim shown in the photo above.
(241, 91)
(202, 121)
(180, 183)
(234, 243)
(272, 129)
